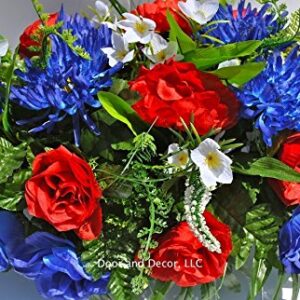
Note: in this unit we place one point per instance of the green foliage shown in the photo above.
(120, 110)
(255, 226)
(70, 39)
(277, 8)
(12, 192)
(268, 167)
(120, 285)
(289, 34)
(12, 177)
(11, 158)
(45, 31)
(205, 58)
(185, 43)
(135, 207)
(240, 75)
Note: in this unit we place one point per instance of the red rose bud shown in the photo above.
(157, 11)
(289, 192)
(64, 192)
(27, 41)
(181, 257)
(176, 90)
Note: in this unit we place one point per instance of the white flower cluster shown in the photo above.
(137, 29)
(194, 210)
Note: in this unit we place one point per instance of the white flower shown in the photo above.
(119, 51)
(229, 63)
(201, 11)
(214, 165)
(102, 9)
(160, 50)
(180, 158)
(138, 29)
(3, 46)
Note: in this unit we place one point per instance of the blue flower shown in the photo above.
(289, 244)
(69, 83)
(245, 24)
(11, 233)
(56, 268)
(273, 97)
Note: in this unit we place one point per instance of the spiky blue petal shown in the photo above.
(69, 83)
(273, 97)
(246, 23)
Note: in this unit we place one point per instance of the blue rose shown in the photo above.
(56, 268)
(289, 244)
(11, 233)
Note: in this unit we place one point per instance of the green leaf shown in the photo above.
(268, 167)
(185, 43)
(11, 193)
(120, 110)
(240, 75)
(124, 146)
(120, 286)
(160, 290)
(232, 282)
(251, 225)
(209, 291)
(11, 158)
(260, 273)
(206, 58)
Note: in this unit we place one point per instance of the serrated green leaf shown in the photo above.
(268, 167)
(206, 58)
(120, 285)
(185, 43)
(11, 158)
(240, 75)
(11, 193)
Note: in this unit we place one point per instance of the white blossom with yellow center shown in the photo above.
(213, 164)
(180, 158)
(137, 28)
(160, 50)
(201, 11)
(119, 52)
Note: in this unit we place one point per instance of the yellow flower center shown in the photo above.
(121, 54)
(213, 160)
(201, 13)
(161, 55)
(141, 27)
(69, 86)
(183, 159)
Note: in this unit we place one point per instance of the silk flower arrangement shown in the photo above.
(153, 146)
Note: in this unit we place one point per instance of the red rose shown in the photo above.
(157, 11)
(289, 192)
(26, 40)
(190, 263)
(177, 90)
(64, 192)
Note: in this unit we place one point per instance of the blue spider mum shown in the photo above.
(245, 23)
(273, 97)
(69, 83)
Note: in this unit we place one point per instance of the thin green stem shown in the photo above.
(5, 120)
(295, 286)
(280, 281)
